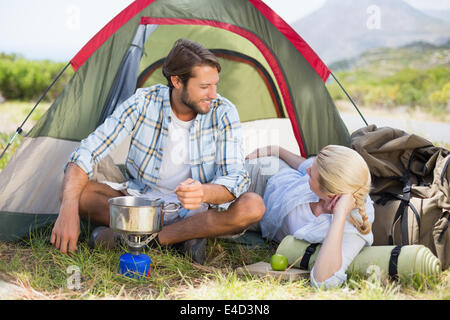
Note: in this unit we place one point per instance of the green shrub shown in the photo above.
(26, 80)
(440, 97)
(428, 88)
(409, 95)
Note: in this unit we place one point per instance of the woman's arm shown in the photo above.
(329, 259)
(290, 158)
(352, 244)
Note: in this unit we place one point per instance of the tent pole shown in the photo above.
(351, 100)
(19, 129)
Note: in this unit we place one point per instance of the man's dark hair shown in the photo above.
(184, 56)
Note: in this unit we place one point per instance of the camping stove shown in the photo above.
(138, 221)
(135, 264)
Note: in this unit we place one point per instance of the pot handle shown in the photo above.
(164, 210)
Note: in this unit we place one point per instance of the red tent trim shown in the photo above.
(313, 59)
(138, 5)
(262, 48)
(115, 24)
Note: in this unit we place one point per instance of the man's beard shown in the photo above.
(191, 104)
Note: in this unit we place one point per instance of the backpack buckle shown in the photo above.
(407, 187)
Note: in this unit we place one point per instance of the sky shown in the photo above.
(58, 29)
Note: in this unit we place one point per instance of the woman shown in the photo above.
(323, 199)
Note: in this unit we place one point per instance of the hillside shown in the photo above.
(415, 75)
(386, 61)
(440, 14)
(343, 29)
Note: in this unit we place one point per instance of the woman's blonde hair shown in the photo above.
(342, 170)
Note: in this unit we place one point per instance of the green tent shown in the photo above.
(268, 71)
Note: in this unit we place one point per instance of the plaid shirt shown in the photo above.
(215, 142)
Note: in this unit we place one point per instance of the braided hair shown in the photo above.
(342, 170)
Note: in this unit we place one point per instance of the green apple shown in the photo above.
(278, 262)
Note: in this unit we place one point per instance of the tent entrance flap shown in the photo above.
(247, 78)
(263, 50)
(125, 82)
(233, 74)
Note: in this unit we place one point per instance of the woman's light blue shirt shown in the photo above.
(290, 188)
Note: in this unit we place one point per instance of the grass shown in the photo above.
(12, 114)
(4, 140)
(36, 265)
(43, 273)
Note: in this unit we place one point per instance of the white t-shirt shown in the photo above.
(175, 166)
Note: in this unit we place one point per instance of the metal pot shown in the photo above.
(138, 216)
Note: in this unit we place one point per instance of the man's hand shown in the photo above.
(190, 193)
(66, 231)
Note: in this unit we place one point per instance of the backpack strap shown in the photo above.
(445, 215)
(403, 208)
(416, 214)
(307, 255)
(402, 211)
(393, 263)
(444, 171)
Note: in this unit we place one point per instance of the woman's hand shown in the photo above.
(266, 151)
(342, 204)
(329, 259)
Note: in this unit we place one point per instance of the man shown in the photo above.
(186, 140)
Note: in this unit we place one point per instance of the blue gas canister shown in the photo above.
(135, 265)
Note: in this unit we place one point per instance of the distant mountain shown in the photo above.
(415, 75)
(342, 29)
(385, 61)
(440, 14)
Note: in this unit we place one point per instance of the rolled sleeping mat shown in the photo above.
(395, 261)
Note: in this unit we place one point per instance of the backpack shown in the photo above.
(410, 188)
